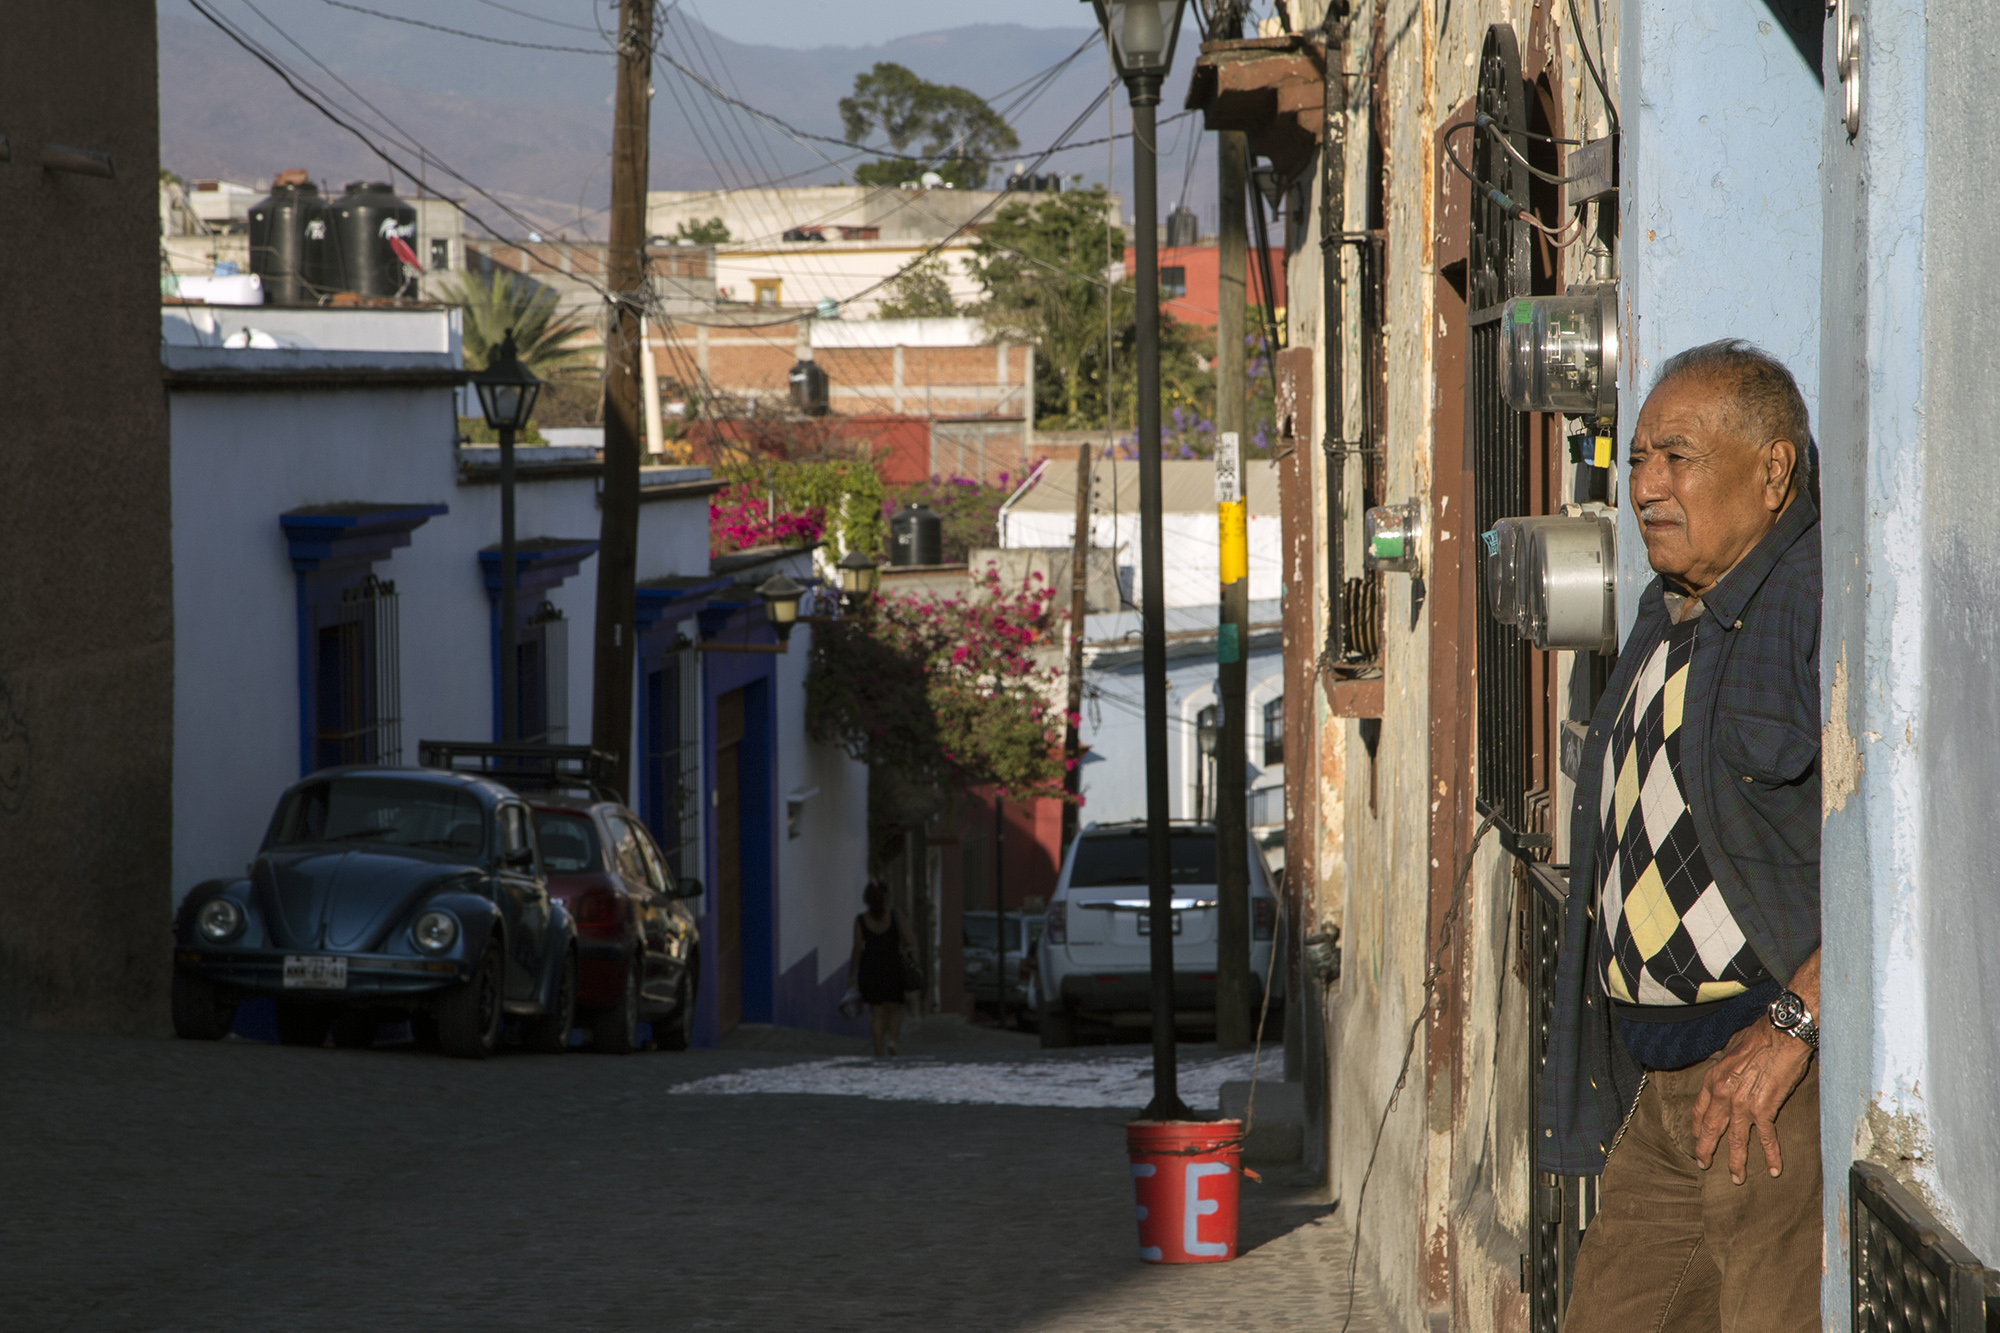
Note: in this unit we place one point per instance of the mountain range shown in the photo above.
(532, 125)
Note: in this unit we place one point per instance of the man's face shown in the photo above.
(1704, 491)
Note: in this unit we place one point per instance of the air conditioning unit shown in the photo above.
(1554, 577)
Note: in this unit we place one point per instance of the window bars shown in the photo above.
(1905, 1270)
(1496, 435)
(357, 688)
(542, 658)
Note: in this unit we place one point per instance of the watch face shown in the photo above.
(1787, 1011)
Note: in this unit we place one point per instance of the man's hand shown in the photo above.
(1758, 1070)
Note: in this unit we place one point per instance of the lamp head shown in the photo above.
(1141, 34)
(507, 389)
(781, 604)
(858, 576)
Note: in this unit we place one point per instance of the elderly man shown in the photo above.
(1680, 1064)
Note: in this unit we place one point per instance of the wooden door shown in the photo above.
(728, 861)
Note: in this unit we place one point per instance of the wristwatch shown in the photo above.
(1789, 1014)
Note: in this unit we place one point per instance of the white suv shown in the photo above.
(1094, 962)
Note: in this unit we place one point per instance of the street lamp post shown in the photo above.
(858, 575)
(507, 391)
(1141, 36)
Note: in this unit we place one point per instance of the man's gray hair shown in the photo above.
(1763, 390)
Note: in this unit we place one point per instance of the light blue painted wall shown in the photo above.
(1911, 644)
(1719, 229)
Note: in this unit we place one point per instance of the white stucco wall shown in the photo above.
(1911, 1000)
(239, 460)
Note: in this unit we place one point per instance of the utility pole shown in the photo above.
(1233, 998)
(1079, 609)
(618, 539)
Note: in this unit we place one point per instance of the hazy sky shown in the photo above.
(807, 23)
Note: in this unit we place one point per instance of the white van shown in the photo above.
(1094, 965)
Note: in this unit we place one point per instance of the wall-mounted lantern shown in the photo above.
(781, 604)
(858, 578)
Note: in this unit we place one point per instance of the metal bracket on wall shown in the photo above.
(76, 161)
(1592, 171)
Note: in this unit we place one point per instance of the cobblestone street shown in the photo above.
(156, 1184)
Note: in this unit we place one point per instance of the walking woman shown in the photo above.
(876, 967)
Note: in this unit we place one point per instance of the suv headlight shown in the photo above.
(219, 919)
(435, 931)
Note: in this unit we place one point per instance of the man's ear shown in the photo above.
(1781, 472)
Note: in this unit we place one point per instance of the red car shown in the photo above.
(638, 946)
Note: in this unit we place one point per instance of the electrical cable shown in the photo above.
(1409, 1050)
(1506, 203)
(1596, 76)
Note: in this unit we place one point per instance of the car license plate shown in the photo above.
(314, 972)
(1146, 923)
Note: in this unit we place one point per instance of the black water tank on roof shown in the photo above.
(288, 243)
(1183, 228)
(809, 388)
(362, 221)
(916, 536)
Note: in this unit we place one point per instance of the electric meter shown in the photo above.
(1393, 538)
(1560, 353)
(1554, 578)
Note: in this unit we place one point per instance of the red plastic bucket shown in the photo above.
(1186, 1175)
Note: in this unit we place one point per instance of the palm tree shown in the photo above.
(504, 300)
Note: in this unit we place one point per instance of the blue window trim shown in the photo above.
(540, 565)
(332, 548)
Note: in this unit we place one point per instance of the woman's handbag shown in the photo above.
(913, 976)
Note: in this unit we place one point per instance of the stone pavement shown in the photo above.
(152, 1184)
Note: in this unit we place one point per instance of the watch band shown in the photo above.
(1789, 1015)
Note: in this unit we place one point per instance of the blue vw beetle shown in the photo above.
(383, 893)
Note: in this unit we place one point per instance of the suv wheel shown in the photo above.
(617, 1028)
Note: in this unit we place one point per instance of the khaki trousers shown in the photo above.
(1676, 1249)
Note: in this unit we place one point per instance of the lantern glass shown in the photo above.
(857, 574)
(781, 600)
(1141, 33)
(507, 389)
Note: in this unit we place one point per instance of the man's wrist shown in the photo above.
(1790, 1015)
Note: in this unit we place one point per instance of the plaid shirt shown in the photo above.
(1750, 754)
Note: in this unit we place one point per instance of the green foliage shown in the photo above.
(1042, 264)
(710, 232)
(950, 128)
(941, 692)
(921, 291)
(545, 341)
(849, 493)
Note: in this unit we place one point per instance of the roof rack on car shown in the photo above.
(527, 767)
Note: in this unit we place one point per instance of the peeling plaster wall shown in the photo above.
(1720, 220)
(1911, 997)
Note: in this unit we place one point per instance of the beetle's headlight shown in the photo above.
(435, 931)
(219, 919)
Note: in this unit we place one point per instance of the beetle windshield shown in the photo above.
(382, 810)
(1121, 859)
(569, 843)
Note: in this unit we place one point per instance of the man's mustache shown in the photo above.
(1658, 513)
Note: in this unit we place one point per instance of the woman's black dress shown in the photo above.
(881, 976)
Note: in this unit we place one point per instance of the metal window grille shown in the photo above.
(1905, 1270)
(673, 763)
(357, 690)
(1559, 1207)
(542, 677)
(1497, 435)
(1274, 731)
